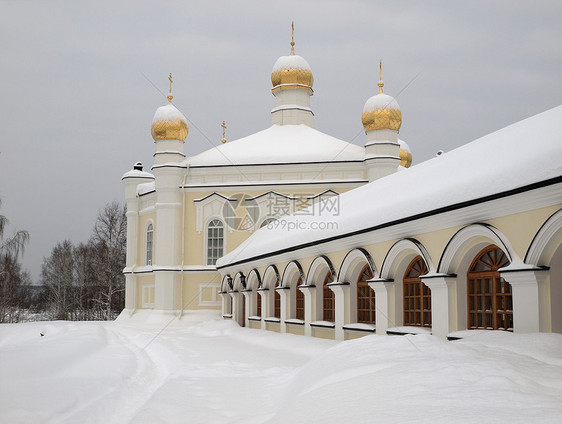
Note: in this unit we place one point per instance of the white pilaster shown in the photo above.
(341, 292)
(385, 304)
(443, 304)
(248, 305)
(265, 305)
(310, 309)
(527, 291)
(237, 312)
(284, 293)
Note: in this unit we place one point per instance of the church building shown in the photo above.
(188, 212)
(292, 230)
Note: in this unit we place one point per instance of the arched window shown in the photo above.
(417, 296)
(365, 297)
(299, 305)
(215, 240)
(276, 301)
(149, 242)
(490, 304)
(328, 299)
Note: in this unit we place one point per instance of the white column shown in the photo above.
(527, 288)
(342, 316)
(310, 311)
(443, 304)
(284, 293)
(236, 306)
(167, 237)
(385, 304)
(265, 305)
(248, 305)
(225, 299)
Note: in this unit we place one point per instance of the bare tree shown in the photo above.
(12, 279)
(14, 245)
(109, 240)
(57, 276)
(13, 289)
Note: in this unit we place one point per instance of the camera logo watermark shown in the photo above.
(242, 212)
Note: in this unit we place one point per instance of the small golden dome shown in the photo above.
(169, 129)
(405, 154)
(291, 75)
(381, 112)
(168, 122)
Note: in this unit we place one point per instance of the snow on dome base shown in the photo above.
(169, 124)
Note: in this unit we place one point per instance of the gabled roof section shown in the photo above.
(280, 144)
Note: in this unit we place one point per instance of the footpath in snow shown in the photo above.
(199, 370)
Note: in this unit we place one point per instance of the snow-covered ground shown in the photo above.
(211, 371)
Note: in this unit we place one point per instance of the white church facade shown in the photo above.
(187, 212)
(293, 230)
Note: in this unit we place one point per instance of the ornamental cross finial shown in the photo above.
(170, 95)
(223, 125)
(292, 38)
(380, 84)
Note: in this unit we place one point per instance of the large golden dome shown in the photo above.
(169, 123)
(381, 112)
(291, 71)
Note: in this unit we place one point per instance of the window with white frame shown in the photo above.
(149, 242)
(215, 240)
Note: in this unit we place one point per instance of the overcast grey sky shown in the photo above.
(78, 84)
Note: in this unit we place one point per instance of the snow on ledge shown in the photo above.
(294, 321)
(408, 330)
(326, 324)
(359, 326)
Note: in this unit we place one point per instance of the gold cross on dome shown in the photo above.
(380, 84)
(292, 38)
(170, 78)
(223, 125)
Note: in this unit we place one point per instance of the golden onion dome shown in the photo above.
(381, 112)
(169, 123)
(405, 154)
(291, 71)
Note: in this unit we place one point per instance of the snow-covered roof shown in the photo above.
(280, 144)
(516, 156)
(135, 173)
